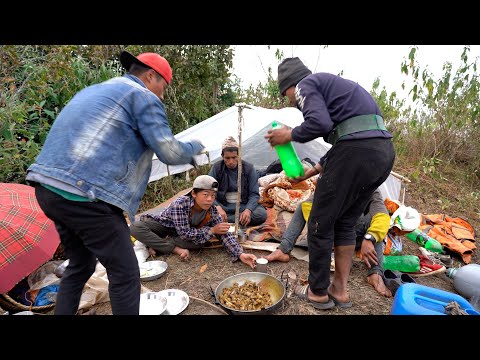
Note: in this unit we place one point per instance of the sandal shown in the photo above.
(302, 292)
(343, 305)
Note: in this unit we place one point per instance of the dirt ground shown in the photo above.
(186, 275)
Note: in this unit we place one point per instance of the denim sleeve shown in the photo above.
(155, 130)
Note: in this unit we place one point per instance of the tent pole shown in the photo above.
(398, 176)
(239, 178)
(169, 179)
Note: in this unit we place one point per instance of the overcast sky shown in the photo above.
(360, 63)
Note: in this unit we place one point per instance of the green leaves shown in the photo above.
(37, 81)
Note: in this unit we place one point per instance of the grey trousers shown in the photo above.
(259, 214)
(363, 223)
(298, 222)
(158, 237)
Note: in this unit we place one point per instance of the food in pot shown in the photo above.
(246, 297)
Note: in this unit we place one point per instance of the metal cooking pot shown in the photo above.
(271, 284)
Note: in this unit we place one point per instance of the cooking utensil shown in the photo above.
(152, 303)
(177, 301)
(151, 270)
(266, 282)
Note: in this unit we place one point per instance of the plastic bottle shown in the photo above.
(403, 263)
(466, 280)
(422, 239)
(291, 163)
(475, 301)
(60, 269)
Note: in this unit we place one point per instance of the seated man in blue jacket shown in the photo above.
(226, 173)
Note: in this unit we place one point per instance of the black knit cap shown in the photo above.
(290, 72)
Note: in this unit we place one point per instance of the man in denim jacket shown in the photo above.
(95, 164)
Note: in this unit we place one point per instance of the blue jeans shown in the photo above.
(377, 269)
(361, 227)
(259, 214)
(293, 231)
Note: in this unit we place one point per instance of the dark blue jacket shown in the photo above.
(250, 190)
(326, 100)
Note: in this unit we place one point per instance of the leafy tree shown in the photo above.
(37, 81)
(446, 121)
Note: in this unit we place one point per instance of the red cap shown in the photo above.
(152, 60)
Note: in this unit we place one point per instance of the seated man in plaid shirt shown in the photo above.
(188, 223)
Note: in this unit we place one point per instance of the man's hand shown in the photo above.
(222, 213)
(248, 259)
(317, 169)
(245, 217)
(220, 229)
(368, 253)
(279, 136)
(297, 179)
(199, 144)
(201, 148)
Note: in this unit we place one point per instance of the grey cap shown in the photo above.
(290, 72)
(205, 182)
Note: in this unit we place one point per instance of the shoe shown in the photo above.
(392, 280)
(441, 259)
(427, 267)
(405, 278)
(302, 292)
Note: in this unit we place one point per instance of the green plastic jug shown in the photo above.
(291, 164)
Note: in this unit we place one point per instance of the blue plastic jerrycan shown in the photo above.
(416, 299)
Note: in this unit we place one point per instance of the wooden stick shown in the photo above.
(239, 176)
(212, 305)
(398, 176)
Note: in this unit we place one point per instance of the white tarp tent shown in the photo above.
(255, 149)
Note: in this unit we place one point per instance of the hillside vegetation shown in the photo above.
(436, 138)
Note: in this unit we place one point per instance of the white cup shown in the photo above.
(261, 265)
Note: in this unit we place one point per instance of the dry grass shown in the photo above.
(185, 275)
(426, 195)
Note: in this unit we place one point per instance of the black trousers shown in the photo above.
(91, 231)
(354, 169)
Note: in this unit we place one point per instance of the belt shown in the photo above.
(356, 124)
